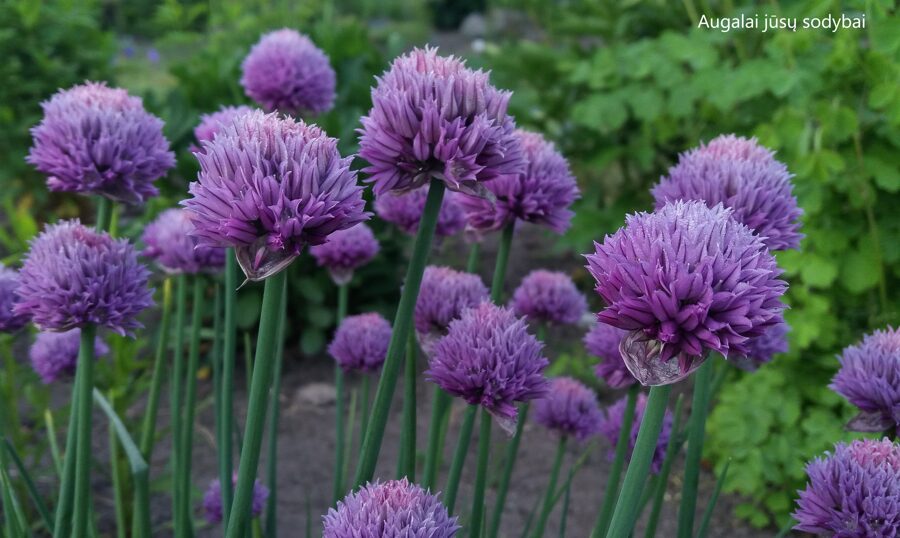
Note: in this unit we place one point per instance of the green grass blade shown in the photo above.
(30, 486)
(696, 433)
(672, 450)
(711, 506)
(51, 439)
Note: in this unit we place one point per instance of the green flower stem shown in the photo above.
(615, 472)
(104, 214)
(118, 486)
(565, 510)
(402, 325)
(66, 495)
(229, 346)
(274, 413)
(340, 455)
(83, 442)
(407, 464)
(502, 261)
(248, 359)
(671, 453)
(484, 450)
(711, 506)
(512, 449)
(266, 344)
(639, 467)
(148, 429)
(440, 412)
(696, 431)
(472, 262)
(551, 489)
(459, 457)
(175, 387)
(351, 421)
(364, 404)
(186, 447)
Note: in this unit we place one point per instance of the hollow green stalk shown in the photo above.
(104, 214)
(696, 431)
(175, 388)
(118, 485)
(459, 457)
(672, 449)
(364, 404)
(406, 467)
(476, 524)
(186, 447)
(274, 413)
(615, 472)
(229, 346)
(502, 261)
(440, 413)
(340, 455)
(351, 421)
(83, 442)
(711, 506)
(148, 429)
(512, 449)
(551, 488)
(472, 262)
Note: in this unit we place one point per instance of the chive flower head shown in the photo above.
(404, 210)
(763, 348)
(443, 296)
(211, 124)
(361, 342)
(569, 409)
(869, 378)
(603, 341)
(549, 297)
(10, 321)
(169, 242)
(54, 355)
(345, 251)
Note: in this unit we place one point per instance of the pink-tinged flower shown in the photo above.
(270, 185)
(211, 124)
(541, 194)
(405, 210)
(170, 243)
(73, 276)
(612, 426)
(443, 296)
(569, 409)
(10, 322)
(603, 341)
(390, 509)
(286, 72)
(869, 378)
(55, 355)
(763, 348)
(345, 251)
(549, 297)
(685, 280)
(99, 140)
(432, 117)
(360, 343)
(741, 175)
(212, 500)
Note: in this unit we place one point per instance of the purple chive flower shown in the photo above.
(99, 140)
(73, 276)
(763, 348)
(869, 378)
(488, 358)
(443, 296)
(612, 425)
(541, 194)
(603, 341)
(212, 500)
(432, 117)
(345, 251)
(287, 72)
(10, 321)
(55, 355)
(741, 175)
(211, 124)
(404, 210)
(170, 243)
(361, 343)
(853, 492)
(268, 186)
(388, 509)
(549, 297)
(570, 409)
(685, 280)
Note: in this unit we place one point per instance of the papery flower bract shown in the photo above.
(9, 320)
(73, 276)
(611, 426)
(541, 194)
(287, 72)
(54, 355)
(361, 342)
(212, 500)
(603, 341)
(488, 358)
(763, 348)
(345, 251)
(99, 140)
(853, 492)
(744, 176)
(569, 409)
(869, 378)
(443, 296)
(170, 243)
(432, 117)
(685, 280)
(549, 297)
(211, 124)
(268, 186)
(405, 210)
(390, 509)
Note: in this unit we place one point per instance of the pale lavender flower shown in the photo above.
(170, 243)
(55, 355)
(405, 210)
(10, 322)
(612, 426)
(569, 409)
(211, 124)
(549, 297)
(345, 251)
(443, 296)
(763, 348)
(869, 378)
(360, 343)
(212, 500)
(603, 341)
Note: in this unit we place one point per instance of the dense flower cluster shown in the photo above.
(345, 251)
(211, 124)
(170, 243)
(549, 297)
(570, 409)
(55, 355)
(212, 501)
(612, 426)
(443, 296)
(361, 342)
(685, 280)
(869, 378)
(761, 349)
(99, 140)
(603, 341)
(404, 210)
(432, 117)
(9, 283)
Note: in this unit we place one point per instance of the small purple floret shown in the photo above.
(762, 349)
(170, 243)
(603, 341)
(443, 296)
(869, 378)
(569, 409)
(211, 124)
(549, 297)
(612, 425)
(361, 342)
(10, 321)
(212, 500)
(55, 355)
(345, 251)
(405, 210)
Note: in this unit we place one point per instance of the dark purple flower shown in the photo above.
(211, 124)
(268, 186)
(685, 280)
(549, 297)
(603, 341)
(852, 493)
(345, 251)
(10, 322)
(488, 358)
(763, 348)
(286, 72)
(869, 378)
(432, 117)
(170, 243)
(404, 210)
(99, 140)
(612, 426)
(443, 296)
(73, 276)
(212, 500)
(55, 355)
(569, 408)
(390, 509)
(741, 175)
(360, 343)
(541, 194)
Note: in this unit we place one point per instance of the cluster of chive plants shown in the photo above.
(691, 280)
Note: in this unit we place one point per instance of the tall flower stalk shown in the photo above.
(340, 452)
(615, 471)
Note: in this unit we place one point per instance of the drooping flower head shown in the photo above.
(10, 321)
(549, 297)
(212, 500)
(432, 117)
(286, 72)
(55, 355)
(73, 276)
(869, 378)
(170, 243)
(853, 492)
(211, 124)
(488, 358)
(612, 426)
(390, 509)
(685, 280)
(443, 296)
(99, 140)
(360, 343)
(744, 176)
(405, 210)
(345, 251)
(541, 194)
(268, 186)
(570, 409)
(763, 348)
(603, 341)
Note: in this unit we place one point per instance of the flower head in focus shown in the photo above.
(10, 321)
(170, 243)
(443, 296)
(612, 426)
(361, 343)
(869, 378)
(345, 251)
(405, 210)
(212, 500)
(603, 341)
(54, 355)
(549, 297)
(570, 409)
